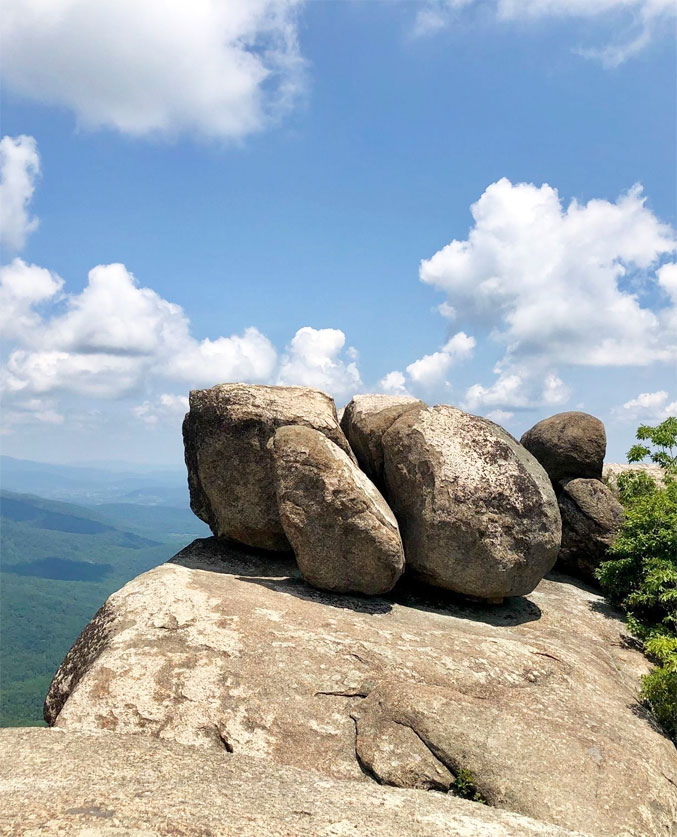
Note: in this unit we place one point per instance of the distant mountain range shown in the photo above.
(60, 561)
(94, 485)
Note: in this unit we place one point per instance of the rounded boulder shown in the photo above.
(477, 512)
(365, 419)
(344, 535)
(591, 520)
(230, 474)
(568, 445)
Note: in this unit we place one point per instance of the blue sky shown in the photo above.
(298, 222)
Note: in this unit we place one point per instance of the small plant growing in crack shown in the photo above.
(464, 786)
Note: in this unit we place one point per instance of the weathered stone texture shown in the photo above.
(477, 512)
(568, 445)
(343, 533)
(68, 784)
(537, 698)
(225, 435)
(591, 520)
(365, 419)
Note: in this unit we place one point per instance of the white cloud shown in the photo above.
(555, 391)
(517, 391)
(558, 287)
(218, 69)
(113, 336)
(648, 406)
(19, 168)
(499, 416)
(432, 370)
(22, 287)
(313, 358)
(394, 383)
(41, 410)
(633, 22)
(169, 406)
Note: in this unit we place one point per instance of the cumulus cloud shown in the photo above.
(167, 407)
(218, 69)
(556, 286)
(394, 383)
(19, 169)
(648, 406)
(112, 336)
(313, 358)
(23, 287)
(432, 370)
(116, 339)
(499, 416)
(517, 391)
(635, 22)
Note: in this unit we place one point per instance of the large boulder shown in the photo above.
(591, 520)
(477, 512)
(568, 445)
(533, 702)
(365, 419)
(109, 785)
(230, 476)
(344, 535)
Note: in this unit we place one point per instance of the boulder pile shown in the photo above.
(452, 496)
(571, 448)
(241, 688)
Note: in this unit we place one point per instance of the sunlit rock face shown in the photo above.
(227, 649)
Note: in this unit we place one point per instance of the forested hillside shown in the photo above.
(59, 563)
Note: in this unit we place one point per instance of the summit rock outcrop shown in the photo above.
(533, 701)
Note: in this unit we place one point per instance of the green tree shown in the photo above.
(641, 573)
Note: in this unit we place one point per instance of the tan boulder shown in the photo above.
(365, 419)
(225, 434)
(343, 533)
(536, 698)
(477, 513)
(106, 785)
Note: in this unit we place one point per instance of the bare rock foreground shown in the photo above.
(232, 655)
(143, 787)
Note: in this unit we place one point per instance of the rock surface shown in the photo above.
(343, 533)
(612, 470)
(536, 698)
(365, 419)
(229, 470)
(568, 445)
(477, 512)
(108, 785)
(591, 520)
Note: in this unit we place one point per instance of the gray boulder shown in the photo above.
(568, 445)
(365, 419)
(344, 535)
(477, 512)
(591, 520)
(230, 477)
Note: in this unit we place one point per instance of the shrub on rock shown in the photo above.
(344, 535)
(591, 520)
(568, 445)
(230, 475)
(365, 419)
(477, 512)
